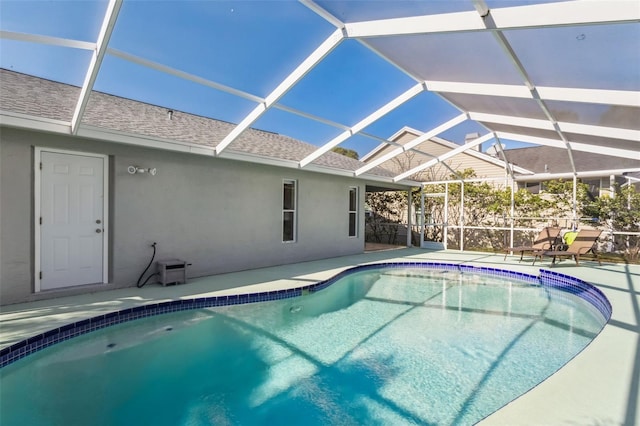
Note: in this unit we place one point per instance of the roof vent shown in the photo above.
(170, 114)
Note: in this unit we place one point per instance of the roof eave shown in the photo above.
(34, 123)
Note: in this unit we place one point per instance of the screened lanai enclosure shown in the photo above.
(477, 215)
(477, 84)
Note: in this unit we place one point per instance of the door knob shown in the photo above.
(98, 230)
(98, 221)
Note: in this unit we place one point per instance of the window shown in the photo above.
(593, 186)
(532, 187)
(288, 211)
(353, 212)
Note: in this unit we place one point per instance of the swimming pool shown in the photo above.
(393, 344)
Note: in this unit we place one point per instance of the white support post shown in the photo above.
(422, 216)
(445, 225)
(109, 22)
(409, 221)
(575, 201)
(513, 210)
(462, 216)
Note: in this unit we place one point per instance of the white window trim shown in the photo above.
(356, 211)
(294, 210)
(37, 193)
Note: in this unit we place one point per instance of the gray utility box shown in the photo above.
(172, 271)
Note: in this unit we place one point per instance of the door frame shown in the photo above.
(37, 196)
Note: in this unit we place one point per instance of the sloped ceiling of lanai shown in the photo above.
(546, 159)
(350, 73)
(483, 164)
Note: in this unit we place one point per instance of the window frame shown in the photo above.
(355, 212)
(594, 189)
(533, 187)
(293, 210)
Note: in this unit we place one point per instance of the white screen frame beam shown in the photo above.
(371, 118)
(444, 157)
(287, 84)
(108, 24)
(505, 18)
(576, 146)
(411, 144)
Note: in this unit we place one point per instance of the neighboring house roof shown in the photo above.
(541, 159)
(484, 164)
(37, 97)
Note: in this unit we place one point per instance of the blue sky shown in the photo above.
(247, 45)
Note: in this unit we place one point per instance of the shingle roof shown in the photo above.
(34, 96)
(25, 94)
(540, 159)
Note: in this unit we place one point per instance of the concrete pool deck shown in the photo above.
(600, 386)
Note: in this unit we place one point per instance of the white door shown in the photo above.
(71, 220)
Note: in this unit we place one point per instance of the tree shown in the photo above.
(484, 206)
(384, 216)
(621, 213)
(346, 152)
(488, 206)
(560, 197)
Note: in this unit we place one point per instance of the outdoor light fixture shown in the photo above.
(135, 170)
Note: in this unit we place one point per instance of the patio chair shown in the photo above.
(545, 240)
(584, 243)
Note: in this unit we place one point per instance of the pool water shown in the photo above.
(378, 347)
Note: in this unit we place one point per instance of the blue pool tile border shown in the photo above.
(546, 278)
